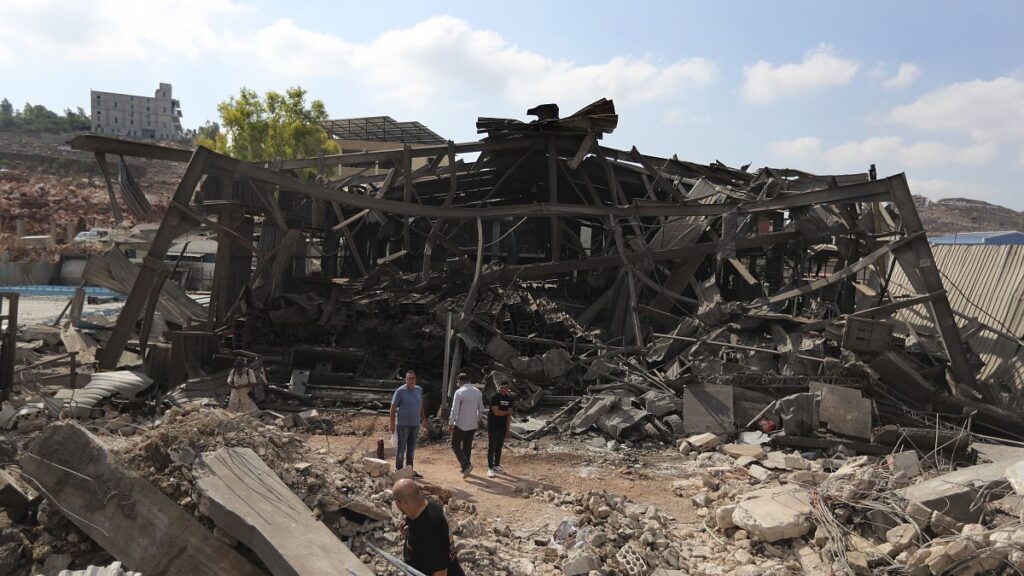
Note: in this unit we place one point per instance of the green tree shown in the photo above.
(275, 126)
(6, 114)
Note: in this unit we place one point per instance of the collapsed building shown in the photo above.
(565, 266)
(648, 298)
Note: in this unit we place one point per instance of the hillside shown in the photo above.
(951, 215)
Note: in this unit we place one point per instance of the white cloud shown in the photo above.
(891, 150)
(115, 31)
(989, 111)
(446, 55)
(937, 189)
(821, 68)
(680, 117)
(439, 56)
(905, 76)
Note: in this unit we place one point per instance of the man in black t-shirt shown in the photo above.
(429, 547)
(499, 420)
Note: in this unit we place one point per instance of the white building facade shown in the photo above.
(156, 117)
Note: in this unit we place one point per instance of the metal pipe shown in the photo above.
(405, 568)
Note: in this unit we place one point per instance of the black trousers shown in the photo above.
(495, 442)
(462, 445)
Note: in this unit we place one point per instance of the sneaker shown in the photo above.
(499, 470)
(417, 476)
(491, 473)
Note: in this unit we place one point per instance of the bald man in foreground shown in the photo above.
(429, 547)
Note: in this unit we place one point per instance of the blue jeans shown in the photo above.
(406, 445)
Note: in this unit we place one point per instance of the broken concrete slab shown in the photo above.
(16, 498)
(774, 514)
(658, 403)
(581, 563)
(596, 407)
(708, 408)
(956, 494)
(844, 410)
(740, 450)
(902, 537)
(906, 463)
(1014, 474)
(781, 461)
(376, 467)
(124, 514)
(704, 442)
(244, 497)
(617, 421)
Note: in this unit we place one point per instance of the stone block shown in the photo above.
(704, 442)
(902, 537)
(775, 514)
(759, 473)
(904, 462)
(739, 450)
(580, 563)
(376, 467)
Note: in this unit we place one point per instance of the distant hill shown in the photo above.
(951, 215)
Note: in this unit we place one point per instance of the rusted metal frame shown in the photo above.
(474, 288)
(867, 190)
(350, 240)
(147, 319)
(272, 207)
(683, 168)
(435, 228)
(615, 188)
(533, 271)
(574, 241)
(556, 222)
(590, 188)
(562, 165)
(942, 312)
(841, 274)
(666, 186)
(585, 147)
(115, 210)
(395, 154)
(220, 228)
(406, 195)
(106, 145)
(620, 243)
(152, 264)
(453, 188)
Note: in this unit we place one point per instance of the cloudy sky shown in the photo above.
(934, 89)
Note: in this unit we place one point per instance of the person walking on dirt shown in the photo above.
(467, 414)
(406, 416)
(429, 546)
(241, 380)
(499, 427)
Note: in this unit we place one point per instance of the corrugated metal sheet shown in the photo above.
(987, 283)
(990, 238)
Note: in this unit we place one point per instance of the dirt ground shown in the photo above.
(557, 464)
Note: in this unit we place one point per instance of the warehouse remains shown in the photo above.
(785, 330)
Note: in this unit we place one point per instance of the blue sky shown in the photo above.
(934, 89)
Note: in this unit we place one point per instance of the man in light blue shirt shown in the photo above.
(467, 413)
(407, 410)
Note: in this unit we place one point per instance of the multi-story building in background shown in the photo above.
(156, 117)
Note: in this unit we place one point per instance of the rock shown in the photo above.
(749, 570)
(759, 473)
(956, 494)
(902, 537)
(943, 525)
(581, 563)
(782, 461)
(904, 462)
(739, 450)
(685, 448)
(701, 500)
(858, 562)
(723, 516)
(704, 442)
(810, 560)
(404, 473)
(1015, 475)
(775, 514)
(376, 467)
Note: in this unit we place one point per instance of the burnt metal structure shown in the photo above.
(645, 242)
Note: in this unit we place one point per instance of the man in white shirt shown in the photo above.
(467, 414)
